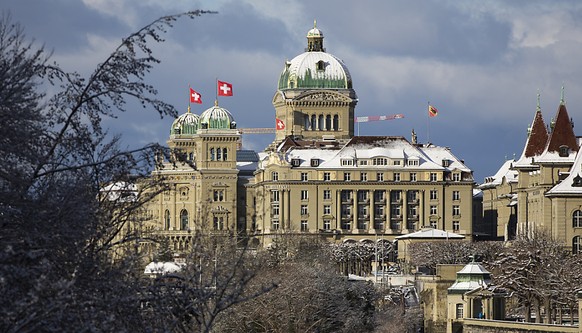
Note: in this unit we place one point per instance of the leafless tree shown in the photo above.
(430, 254)
(58, 227)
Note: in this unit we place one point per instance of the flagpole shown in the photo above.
(189, 96)
(427, 123)
(216, 85)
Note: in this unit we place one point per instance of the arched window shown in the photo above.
(328, 122)
(577, 219)
(184, 220)
(336, 123)
(212, 154)
(218, 154)
(320, 123)
(167, 219)
(224, 154)
(576, 246)
(191, 156)
(306, 124)
(313, 122)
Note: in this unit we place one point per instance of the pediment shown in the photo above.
(322, 95)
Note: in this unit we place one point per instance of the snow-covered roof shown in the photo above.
(161, 268)
(471, 277)
(506, 172)
(368, 148)
(430, 233)
(572, 184)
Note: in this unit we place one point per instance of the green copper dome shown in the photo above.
(217, 118)
(185, 124)
(315, 69)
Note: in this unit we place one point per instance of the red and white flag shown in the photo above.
(280, 124)
(224, 88)
(195, 97)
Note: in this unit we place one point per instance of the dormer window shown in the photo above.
(577, 182)
(347, 162)
(446, 163)
(320, 65)
(564, 151)
(314, 162)
(295, 162)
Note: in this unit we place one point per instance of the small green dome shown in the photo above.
(185, 124)
(217, 118)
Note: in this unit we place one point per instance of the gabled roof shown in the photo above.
(505, 172)
(572, 184)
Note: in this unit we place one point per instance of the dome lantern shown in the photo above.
(315, 39)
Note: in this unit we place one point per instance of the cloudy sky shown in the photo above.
(481, 63)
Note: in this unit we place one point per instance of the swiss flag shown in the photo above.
(195, 97)
(224, 88)
(280, 124)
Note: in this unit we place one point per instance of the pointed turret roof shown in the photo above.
(538, 136)
(537, 140)
(562, 132)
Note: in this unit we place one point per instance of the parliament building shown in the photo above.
(315, 178)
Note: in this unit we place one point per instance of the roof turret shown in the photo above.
(185, 124)
(217, 117)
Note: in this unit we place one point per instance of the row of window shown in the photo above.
(378, 225)
(379, 195)
(320, 122)
(379, 161)
(218, 221)
(218, 154)
(347, 176)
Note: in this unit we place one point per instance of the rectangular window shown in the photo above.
(275, 210)
(218, 195)
(346, 195)
(274, 196)
(363, 162)
(362, 196)
(326, 194)
(304, 210)
(326, 176)
(379, 195)
(326, 210)
(396, 176)
(395, 196)
(397, 162)
(456, 195)
(304, 226)
(304, 176)
(413, 211)
(456, 210)
(304, 195)
(433, 210)
(275, 175)
(326, 224)
(364, 176)
(347, 162)
(275, 224)
(456, 177)
(433, 224)
(412, 196)
(456, 226)
(433, 177)
(347, 176)
(395, 211)
(413, 176)
(380, 177)
(433, 194)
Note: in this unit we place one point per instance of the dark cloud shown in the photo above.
(62, 25)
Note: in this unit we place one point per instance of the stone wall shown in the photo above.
(497, 326)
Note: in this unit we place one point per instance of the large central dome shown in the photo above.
(315, 69)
